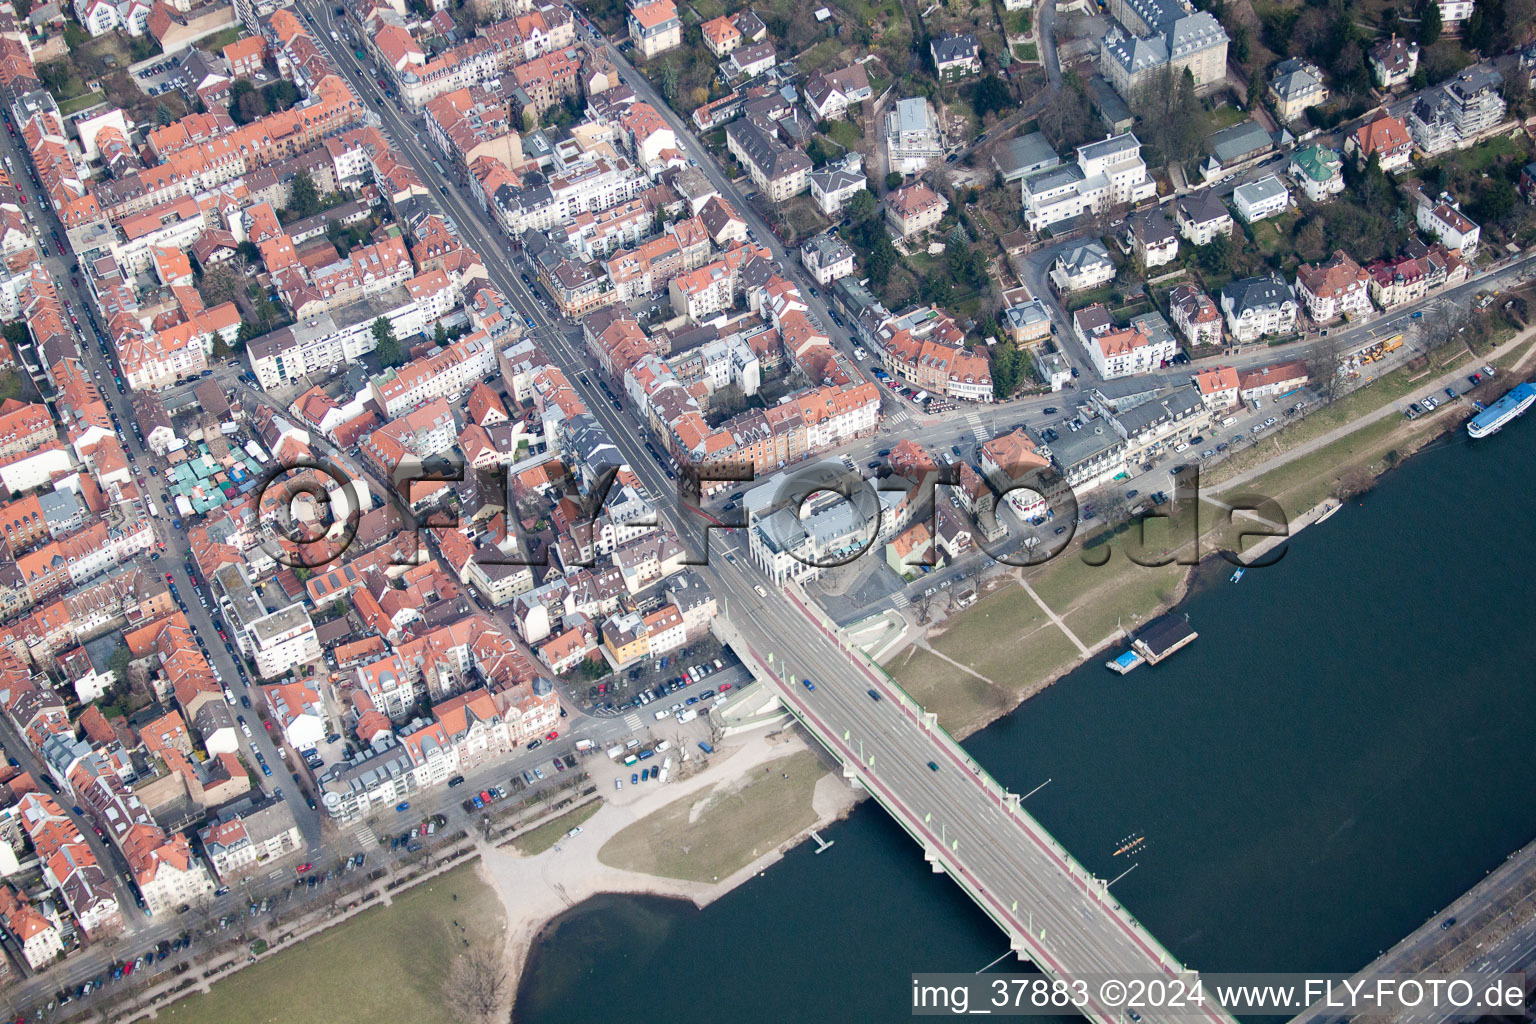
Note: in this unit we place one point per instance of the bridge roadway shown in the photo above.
(1052, 908)
(1000, 856)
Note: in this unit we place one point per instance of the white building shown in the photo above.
(1107, 173)
(1257, 306)
(1257, 200)
(1446, 223)
(284, 640)
(1082, 267)
(913, 140)
(827, 257)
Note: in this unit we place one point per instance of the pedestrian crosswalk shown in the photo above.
(900, 601)
(979, 428)
(366, 837)
(632, 720)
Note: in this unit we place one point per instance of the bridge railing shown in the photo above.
(913, 707)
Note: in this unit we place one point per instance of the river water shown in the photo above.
(1343, 751)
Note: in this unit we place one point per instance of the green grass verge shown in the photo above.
(710, 835)
(551, 832)
(386, 964)
(1027, 52)
(81, 102)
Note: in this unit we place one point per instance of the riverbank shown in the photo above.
(1034, 625)
(537, 890)
(1019, 604)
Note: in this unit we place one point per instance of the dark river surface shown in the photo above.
(1343, 751)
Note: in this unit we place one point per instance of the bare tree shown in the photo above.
(476, 984)
(1323, 365)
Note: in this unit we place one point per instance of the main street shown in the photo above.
(1082, 934)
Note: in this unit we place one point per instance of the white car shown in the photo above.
(245, 729)
(760, 591)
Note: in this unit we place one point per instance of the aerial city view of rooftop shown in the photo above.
(542, 511)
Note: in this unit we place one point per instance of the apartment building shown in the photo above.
(1195, 315)
(1162, 37)
(243, 839)
(1318, 171)
(1336, 288)
(779, 171)
(654, 27)
(1385, 138)
(914, 140)
(1106, 173)
(332, 340)
(284, 640)
(913, 209)
(1295, 85)
(1259, 200)
(1259, 306)
(446, 373)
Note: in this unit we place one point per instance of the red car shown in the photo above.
(304, 867)
(485, 795)
(268, 724)
(724, 687)
(553, 735)
(169, 577)
(23, 197)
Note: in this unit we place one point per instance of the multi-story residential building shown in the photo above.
(1444, 222)
(1163, 37)
(1120, 353)
(283, 641)
(1335, 288)
(828, 95)
(1256, 200)
(1257, 306)
(1155, 423)
(39, 936)
(1385, 138)
(1106, 173)
(655, 27)
(1458, 112)
(1278, 379)
(444, 374)
(1398, 281)
(1318, 171)
(1091, 456)
(1295, 85)
(1196, 315)
(329, 341)
(1151, 238)
(779, 171)
(1454, 12)
(913, 138)
(1394, 61)
(241, 840)
(1218, 387)
(835, 184)
(827, 257)
(1201, 216)
(1083, 266)
(913, 209)
(955, 56)
(720, 35)
(1027, 322)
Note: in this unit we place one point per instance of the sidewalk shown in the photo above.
(1389, 409)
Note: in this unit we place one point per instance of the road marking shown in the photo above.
(978, 428)
(900, 600)
(632, 720)
(366, 837)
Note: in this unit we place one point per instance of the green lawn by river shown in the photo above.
(387, 964)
